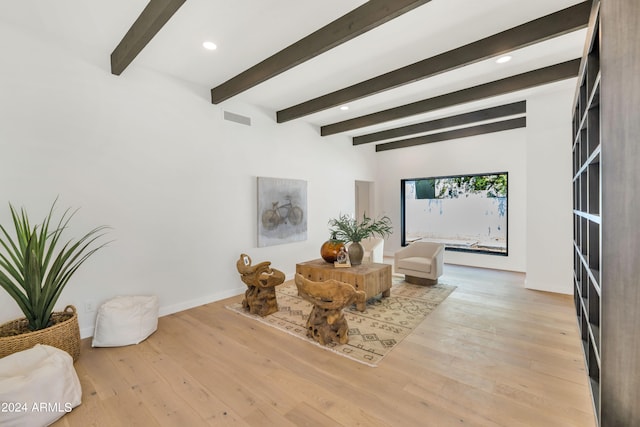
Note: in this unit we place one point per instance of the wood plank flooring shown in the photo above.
(492, 354)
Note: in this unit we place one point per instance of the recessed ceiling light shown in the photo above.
(503, 59)
(209, 45)
(344, 107)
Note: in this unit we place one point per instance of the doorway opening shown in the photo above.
(364, 199)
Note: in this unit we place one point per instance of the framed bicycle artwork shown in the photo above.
(282, 211)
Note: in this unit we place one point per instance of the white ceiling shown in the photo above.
(248, 31)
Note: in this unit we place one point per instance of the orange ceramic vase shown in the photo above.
(329, 250)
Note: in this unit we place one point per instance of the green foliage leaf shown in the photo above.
(35, 266)
(348, 229)
(492, 185)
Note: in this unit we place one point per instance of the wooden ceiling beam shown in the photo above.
(547, 27)
(360, 20)
(150, 21)
(516, 123)
(512, 109)
(553, 73)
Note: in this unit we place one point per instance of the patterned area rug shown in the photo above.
(373, 333)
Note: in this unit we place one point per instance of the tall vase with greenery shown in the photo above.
(348, 229)
(36, 265)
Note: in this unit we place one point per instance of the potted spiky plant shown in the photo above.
(35, 267)
(348, 229)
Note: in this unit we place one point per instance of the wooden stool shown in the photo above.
(261, 280)
(326, 323)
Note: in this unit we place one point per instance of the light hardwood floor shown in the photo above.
(492, 354)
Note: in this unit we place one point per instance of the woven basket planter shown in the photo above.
(63, 334)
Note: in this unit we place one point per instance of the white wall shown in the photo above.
(549, 192)
(498, 152)
(152, 157)
(538, 160)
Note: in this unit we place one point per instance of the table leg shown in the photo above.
(361, 302)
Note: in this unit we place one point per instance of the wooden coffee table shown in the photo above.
(372, 278)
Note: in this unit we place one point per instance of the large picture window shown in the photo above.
(465, 212)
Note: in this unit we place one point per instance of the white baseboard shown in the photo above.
(87, 331)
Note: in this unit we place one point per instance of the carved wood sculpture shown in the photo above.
(326, 323)
(261, 280)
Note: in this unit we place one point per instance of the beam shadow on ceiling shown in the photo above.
(512, 109)
(360, 20)
(556, 24)
(553, 73)
(516, 123)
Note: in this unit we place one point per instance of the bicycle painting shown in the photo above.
(282, 205)
(283, 214)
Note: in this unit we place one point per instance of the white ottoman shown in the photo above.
(37, 386)
(126, 320)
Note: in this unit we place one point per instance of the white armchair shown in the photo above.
(420, 262)
(373, 250)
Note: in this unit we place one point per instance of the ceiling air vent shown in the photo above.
(233, 117)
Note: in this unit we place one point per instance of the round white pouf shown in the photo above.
(126, 320)
(37, 386)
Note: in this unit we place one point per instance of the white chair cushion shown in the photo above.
(126, 320)
(415, 263)
(37, 386)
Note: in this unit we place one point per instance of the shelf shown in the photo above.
(584, 332)
(591, 273)
(587, 205)
(604, 177)
(592, 159)
(594, 97)
(591, 217)
(595, 336)
(595, 275)
(595, 391)
(589, 102)
(593, 362)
